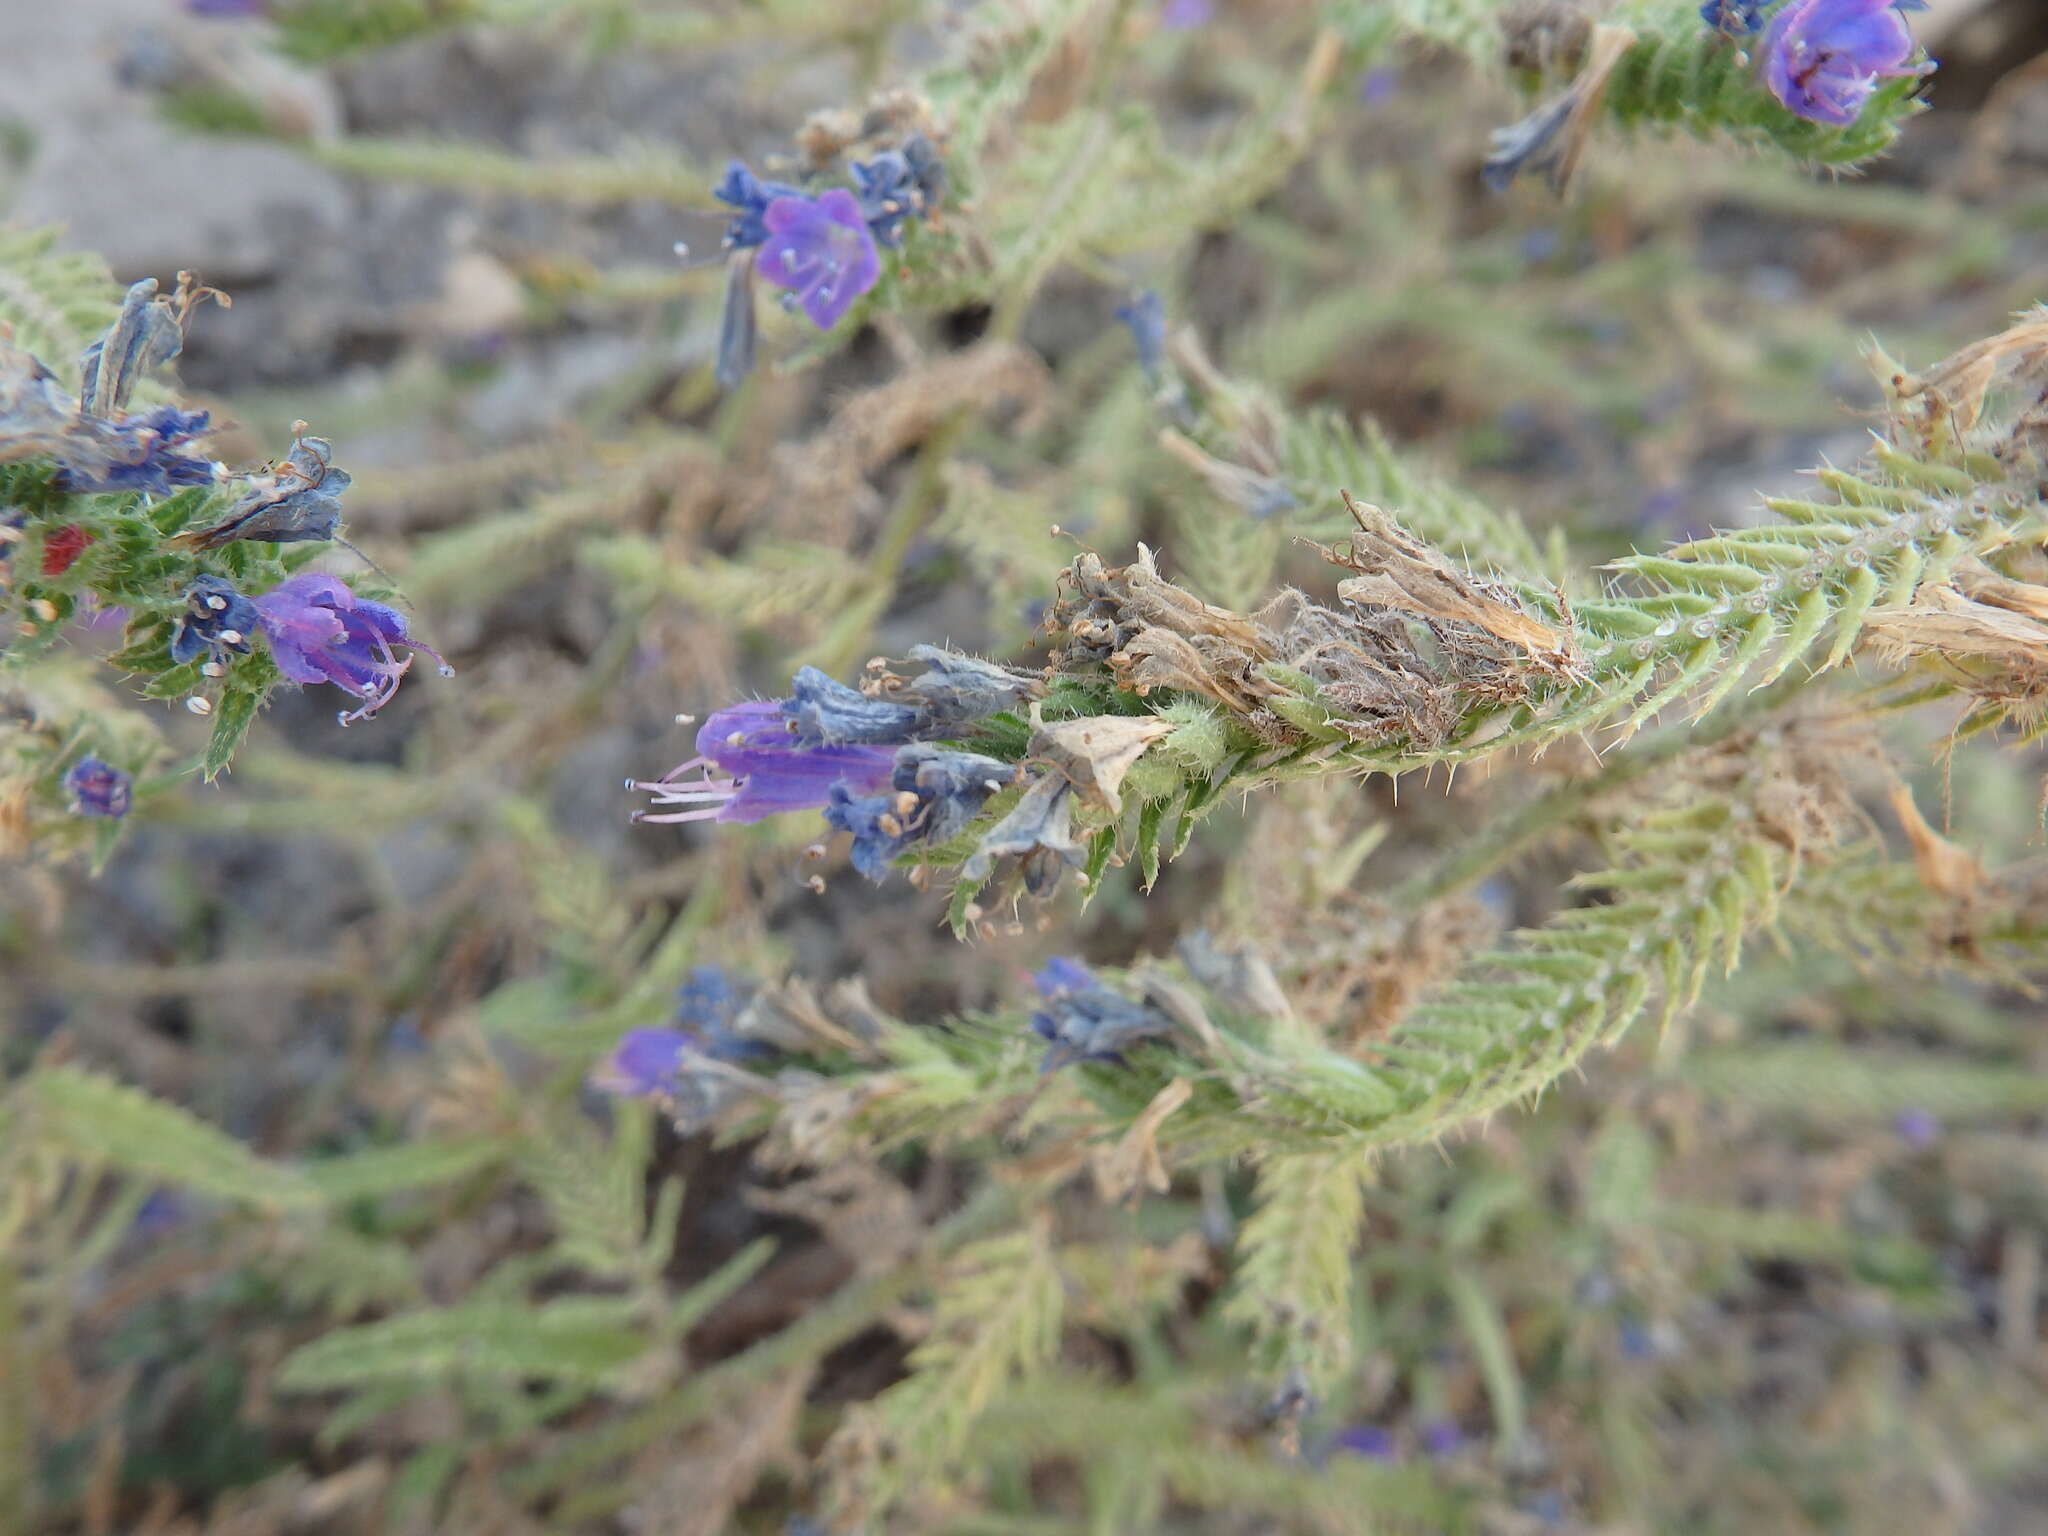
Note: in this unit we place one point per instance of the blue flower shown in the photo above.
(1039, 831)
(217, 619)
(1824, 58)
(749, 196)
(707, 1004)
(1917, 1128)
(139, 452)
(820, 249)
(296, 502)
(147, 333)
(98, 788)
(824, 712)
(320, 631)
(1737, 18)
(1061, 975)
(899, 184)
(934, 793)
(1367, 1440)
(1442, 1438)
(1145, 315)
(1083, 1020)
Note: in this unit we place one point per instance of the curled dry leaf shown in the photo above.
(1095, 753)
(1133, 1163)
(1941, 620)
(1398, 572)
(1945, 868)
(1953, 390)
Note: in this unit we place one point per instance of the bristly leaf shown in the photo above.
(102, 1123)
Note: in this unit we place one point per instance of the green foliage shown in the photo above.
(53, 301)
(103, 1124)
(1294, 1267)
(583, 1340)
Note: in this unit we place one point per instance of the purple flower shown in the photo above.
(1441, 1438)
(1367, 1440)
(761, 767)
(321, 632)
(821, 250)
(1186, 15)
(670, 1067)
(1824, 58)
(229, 8)
(217, 619)
(1917, 1128)
(644, 1064)
(1378, 85)
(99, 789)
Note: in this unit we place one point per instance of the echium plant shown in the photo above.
(113, 519)
(1712, 748)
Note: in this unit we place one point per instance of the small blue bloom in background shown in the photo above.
(644, 1064)
(1917, 1128)
(749, 196)
(321, 632)
(1145, 315)
(1062, 974)
(1083, 1020)
(822, 251)
(163, 1211)
(1547, 1507)
(1186, 15)
(217, 619)
(1824, 58)
(1378, 85)
(227, 8)
(674, 1070)
(98, 788)
(1442, 1439)
(899, 184)
(707, 998)
(1367, 1440)
(707, 1004)
(761, 768)
(1737, 18)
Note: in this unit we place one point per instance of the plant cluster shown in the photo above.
(1269, 1142)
